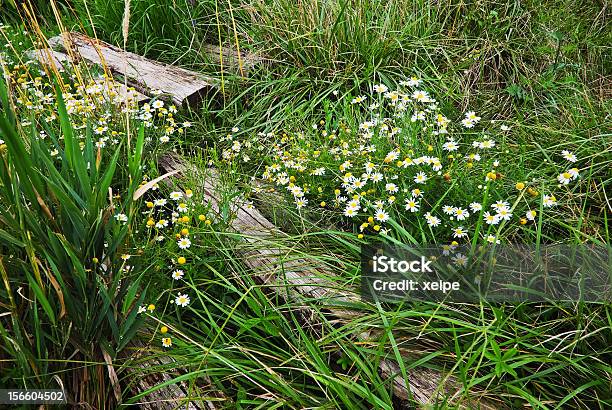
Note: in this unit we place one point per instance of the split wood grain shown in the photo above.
(49, 57)
(183, 87)
(172, 396)
(59, 61)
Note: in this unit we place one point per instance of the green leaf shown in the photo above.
(495, 348)
(74, 156)
(5, 237)
(40, 297)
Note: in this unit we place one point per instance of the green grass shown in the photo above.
(540, 67)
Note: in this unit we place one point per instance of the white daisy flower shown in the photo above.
(448, 210)
(500, 205)
(432, 220)
(475, 207)
(569, 156)
(492, 239)
(420, 178)
(380, 88)
(350, 212)
(391, 187)
(412, 205)
(162, 223)
(381, 216)
(459, 232)
(564, 178)
(549, 201)
(490, 219)
(460, 260)
(184, 243)
(450, 146)
(574, 173)
(504, 214)
(175, 196)
(182, 300)
(461, 214)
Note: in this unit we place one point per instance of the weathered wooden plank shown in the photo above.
(182, 86)
(49, 57)
(119, 92)
(229, 58)
(175, 395)
(301, 280)
(111, 88)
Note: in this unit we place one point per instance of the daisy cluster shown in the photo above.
(397, 158)
(99, 104)
(173, 226)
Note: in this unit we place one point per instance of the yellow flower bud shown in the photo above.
(520, 186)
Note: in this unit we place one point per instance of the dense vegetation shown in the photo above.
(406, 121)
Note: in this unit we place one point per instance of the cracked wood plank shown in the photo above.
(175, 395)
(184, 87)
(49, 57)
(302, 280)
(59, 61)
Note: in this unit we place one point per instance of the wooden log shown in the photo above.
(183, 87)
(49, 57)
(114, 89)
(304, 281)
(175, 395)
(118, 91)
